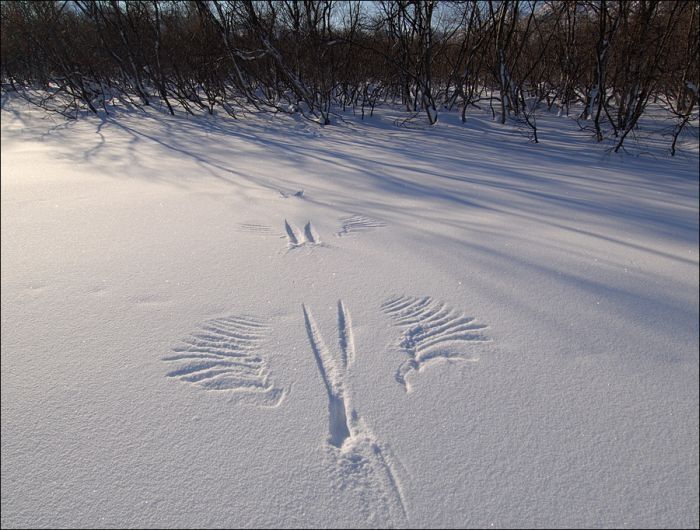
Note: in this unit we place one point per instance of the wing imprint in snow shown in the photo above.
(254, 228)
(430, 330)
(358, 223)
(223, 355)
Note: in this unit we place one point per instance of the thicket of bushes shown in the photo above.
(609, 58)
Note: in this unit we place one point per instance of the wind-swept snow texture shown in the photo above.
(259, 323)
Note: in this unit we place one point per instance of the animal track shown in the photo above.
(292, 236)
(360, 461)
(311, 234)
(255, 228)
(431, 330)
(299, 194)
(358, 223)
(368, 471)
(223, 356)
(297, 238)
(345, 338)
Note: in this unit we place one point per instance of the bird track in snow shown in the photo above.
(224, 354)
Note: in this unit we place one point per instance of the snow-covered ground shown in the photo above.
(210, 322)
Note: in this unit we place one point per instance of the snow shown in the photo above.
(445, 327)
(592, 100)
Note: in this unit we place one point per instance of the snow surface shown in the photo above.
(210, 322)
